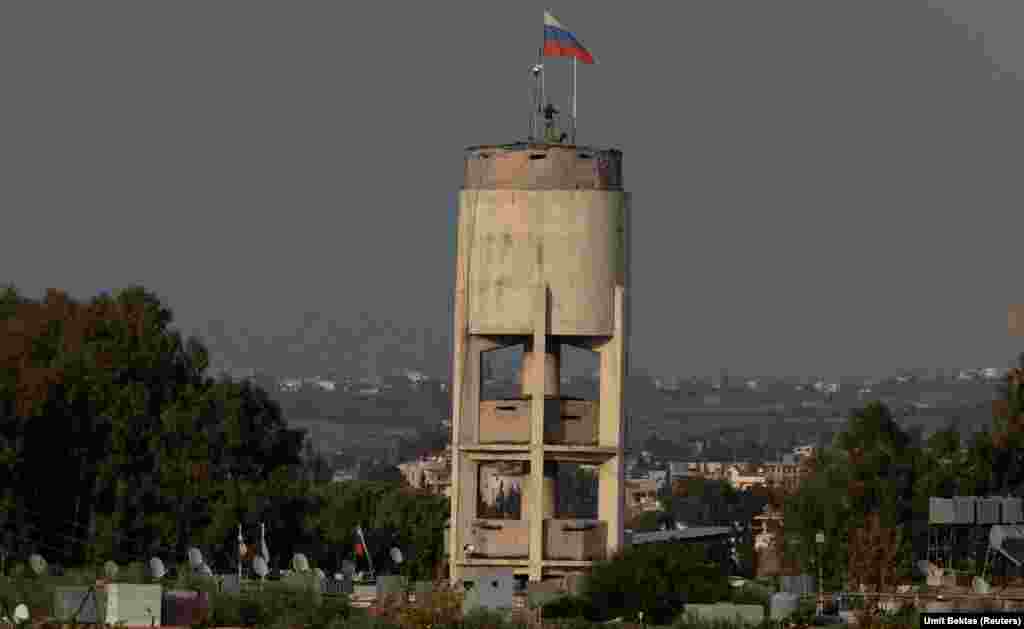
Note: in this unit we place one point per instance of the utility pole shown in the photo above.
(820, 539)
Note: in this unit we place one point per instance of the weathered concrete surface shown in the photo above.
(542, 167)
(747, 614)
(501, 538)
(576, 540)
(494, 590)
(572, 242)
(542, 260)
(566, 422)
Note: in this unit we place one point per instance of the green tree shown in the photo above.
(871, 472)
(657, 579)
(111, 435)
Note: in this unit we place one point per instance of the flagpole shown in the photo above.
(574, 100)
(240, 554)
(366, 549)
(538, 97)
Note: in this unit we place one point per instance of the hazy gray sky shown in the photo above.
(818, 187)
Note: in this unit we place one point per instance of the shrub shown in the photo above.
(444, 610)
(362, 620)
(690, 622)
(485, 619)
(657, 579)
(36, 593)
(275, 606)
(569, 607)
(575, 623)
(751, 594)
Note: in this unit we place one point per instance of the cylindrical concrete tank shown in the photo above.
(988, 510)
(1011, 511)
(941, 511)
(966, 509)
(534, 215)
(798, 584)
(783, 605)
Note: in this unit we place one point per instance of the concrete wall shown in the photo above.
(746, 614)
(560, 168)
(566, 422)
(501, 538)
(494, 590)
(579, 540)
(522, 238)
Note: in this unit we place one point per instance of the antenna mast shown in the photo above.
(538, 94)
(359, 529)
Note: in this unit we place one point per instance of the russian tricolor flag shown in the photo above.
(559, 42)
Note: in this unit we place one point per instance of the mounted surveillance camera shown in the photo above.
(537, 69)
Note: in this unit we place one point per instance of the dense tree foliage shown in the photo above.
(869, 492)
(390, 515)
(700, 501)
(658, 579)
(114, 444)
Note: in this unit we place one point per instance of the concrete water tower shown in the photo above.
(542, 263)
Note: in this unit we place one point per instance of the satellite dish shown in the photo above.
(38, 564)
(156, 568)
(320, 574)
(300, 563)
(259, 566)
(195, 558)
(21, 613)
(396, 555)
(110, 569)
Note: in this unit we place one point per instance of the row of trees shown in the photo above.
(869, 493)
(115, 444)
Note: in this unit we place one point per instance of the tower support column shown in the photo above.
(537, 382)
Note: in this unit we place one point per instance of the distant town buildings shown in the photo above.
(741, 481)
(785, 473)
(432, 474)
(642, 495)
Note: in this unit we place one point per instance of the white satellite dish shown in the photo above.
(300, 563)
(195, 558)
(110, 569)
(21, 612)
(38, 564)
(156, 568)
(259, 566)
(396, 555)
